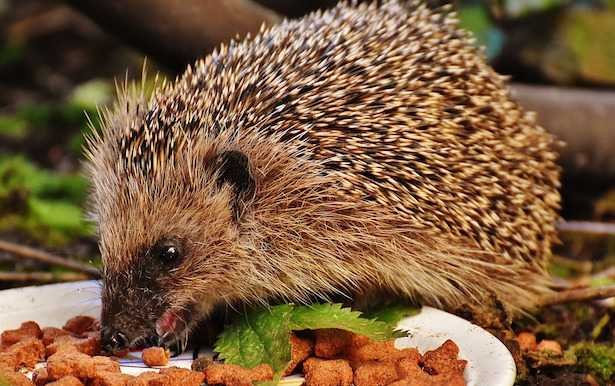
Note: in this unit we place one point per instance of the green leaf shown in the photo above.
(42, 203)
(258, 337)
(329, 315)
(263, 336)
(56, 214)
(392, 313)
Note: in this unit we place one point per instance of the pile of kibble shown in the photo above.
(328, 357)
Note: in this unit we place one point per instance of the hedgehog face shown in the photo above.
(169, 251)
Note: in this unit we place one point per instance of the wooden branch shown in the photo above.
(584, 119)
(48, 258)
(41, 277)
(579, 295)
(176, 32)
(597, 228)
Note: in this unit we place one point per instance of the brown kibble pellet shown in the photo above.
(111, 379)
(373, 351)
(67, 381)
(359, 341)
(330, 343)
(26, 330)
(80, 324)
(444, 359)
(40, 377)
(150, 378)
(27, 352)
(8, 361)
(550, 346)
(421, 381)
(262, 372)
(236, 375)
(88, 345)
(183, 377)
(73, 363)
(51, 333)
(155, 356)
(105, 364)
(301, 349)
(14, 378)
(200, 364)
(409, 367)
(527, 341)
(321, 372)
(375, 374)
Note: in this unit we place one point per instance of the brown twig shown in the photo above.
(176, 32)
(582, 118)
(579, 295)
(41, 277)
(598, 228)
(46, 257)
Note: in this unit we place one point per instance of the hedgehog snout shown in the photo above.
(113, 340)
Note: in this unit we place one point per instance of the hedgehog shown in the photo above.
(365, 151)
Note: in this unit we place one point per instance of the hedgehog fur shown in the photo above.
(384, 155)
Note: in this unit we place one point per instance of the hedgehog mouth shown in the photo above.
(172, 328)
(170, 331)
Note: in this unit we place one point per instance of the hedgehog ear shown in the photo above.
(234, 169)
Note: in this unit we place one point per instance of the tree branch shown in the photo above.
(176, 32)
(579, 295)
(48, 258)
(582, 118)
(41, 277)
(592, 227)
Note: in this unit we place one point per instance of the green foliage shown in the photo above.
(42, 119)
(263, 336)
(589, 35)
(522, 8)
(391, 312)
(259, 337)
(476, 19)
(10, 53)
(13, 127)
(44, 204)
(595, 358)
(91, 94)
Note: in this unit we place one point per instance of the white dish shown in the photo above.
(489, 362)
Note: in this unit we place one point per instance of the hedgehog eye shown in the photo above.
(167, 252)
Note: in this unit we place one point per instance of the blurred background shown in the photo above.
(59, 61)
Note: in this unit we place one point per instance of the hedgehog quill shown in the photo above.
(360, 151)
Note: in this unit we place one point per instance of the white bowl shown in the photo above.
(489, 362)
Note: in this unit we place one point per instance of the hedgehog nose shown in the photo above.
(113, 341)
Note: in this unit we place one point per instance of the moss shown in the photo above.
(43, 204)
(589, 35)
(13, 127)
(595, 358)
